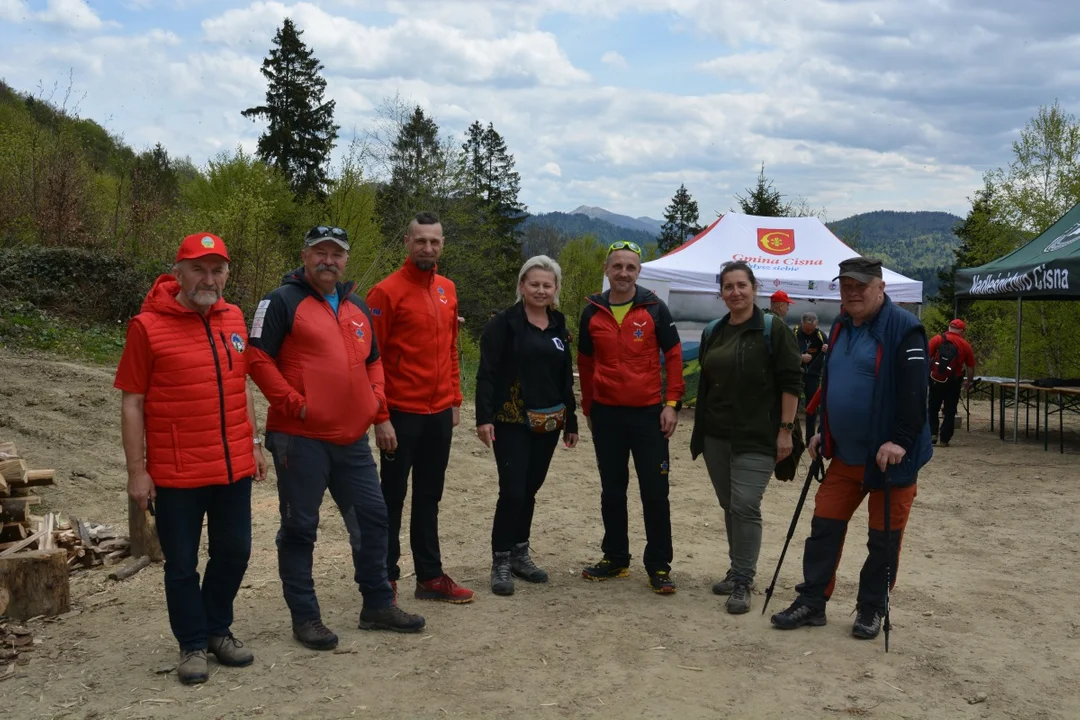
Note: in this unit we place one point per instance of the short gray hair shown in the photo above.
(541, 262)
(809, 317)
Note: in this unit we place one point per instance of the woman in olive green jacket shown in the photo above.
(747, 398)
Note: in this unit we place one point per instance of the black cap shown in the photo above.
(860, 268)
(318, 234)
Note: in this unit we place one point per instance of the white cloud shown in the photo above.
(70, 14)
(551, 168)
(614, 59)
(14, 11)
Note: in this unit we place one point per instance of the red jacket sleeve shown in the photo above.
(378, 384)
(812, 404)
(382, 314)
(279, 393)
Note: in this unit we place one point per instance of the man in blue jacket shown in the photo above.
(874, 430)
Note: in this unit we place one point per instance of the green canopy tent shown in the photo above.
(1047, 268)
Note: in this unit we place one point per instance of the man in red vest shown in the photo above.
(187, 421)
(315, 358)
(416, 319)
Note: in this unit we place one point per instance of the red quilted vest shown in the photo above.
(197, 427)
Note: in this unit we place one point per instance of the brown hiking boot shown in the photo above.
(390, 618)
(192, 668)
(315, 636)
(230, 651)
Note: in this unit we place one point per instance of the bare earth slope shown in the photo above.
(984, 603)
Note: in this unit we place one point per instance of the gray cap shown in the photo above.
(323, 233)
(860, 268)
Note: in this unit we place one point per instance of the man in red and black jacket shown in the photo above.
(623, 333)
(946, 385)
(314, 356)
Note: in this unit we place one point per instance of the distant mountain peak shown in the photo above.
(643, 223)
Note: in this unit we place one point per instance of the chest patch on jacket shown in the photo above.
(237, 342)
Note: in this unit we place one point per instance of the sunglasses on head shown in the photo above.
(624, 245)
(327, 231)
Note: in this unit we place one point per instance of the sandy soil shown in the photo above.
(984, 604)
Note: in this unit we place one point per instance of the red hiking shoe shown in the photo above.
(443, 589)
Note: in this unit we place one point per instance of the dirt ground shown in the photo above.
(984, 607)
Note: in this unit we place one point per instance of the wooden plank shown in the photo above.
(22, 544)
(47, 539)
(14, 471)
(35, 478)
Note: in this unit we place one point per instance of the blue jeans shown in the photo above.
(197, 612)
(306, 469)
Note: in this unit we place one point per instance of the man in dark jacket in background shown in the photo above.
(812, 349)
(874, 430)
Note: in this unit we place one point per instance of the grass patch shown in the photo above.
(25, 327)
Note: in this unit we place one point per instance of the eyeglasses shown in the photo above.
(327, 231)
(624, 245)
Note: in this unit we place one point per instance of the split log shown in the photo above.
(14, 471)
(7, 448)
(130, 569)
(35, 478)
(14, 511)
(37, 583)
(47, 539)
(4, 489)
(142, 531)
(21, 544)
(5, 600)
(12, 531)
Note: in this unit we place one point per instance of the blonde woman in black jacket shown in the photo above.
(524, 401)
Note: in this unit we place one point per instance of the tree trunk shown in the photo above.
(142, 530)
(36, 583)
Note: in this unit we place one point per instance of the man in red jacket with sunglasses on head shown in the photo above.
(415, 311)
(623, 333)
(188, 425)
(315, 358)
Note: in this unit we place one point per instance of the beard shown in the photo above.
(204, 297)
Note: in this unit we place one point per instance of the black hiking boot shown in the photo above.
(797, 616)
(725, 586)
(738, 602)
(605, 570)
(522, 565)
(867, 622)
(315, 636)
(390, 618)
(661, 583)
(502, 582)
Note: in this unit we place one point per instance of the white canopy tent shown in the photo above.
(797, 255)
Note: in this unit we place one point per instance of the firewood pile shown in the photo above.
(87, 544)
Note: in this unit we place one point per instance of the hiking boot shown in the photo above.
(230, 651)
(192, 668)
(390, 618)
(443, 589)
(502, 581)
(725, 586)
(315, 636)
(522, 565)
(661, 583)
(933, 439)
(739, 601)
(867, 623)
(798, 615)
(605, 570)
(945, 444)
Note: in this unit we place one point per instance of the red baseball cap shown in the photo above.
(200, 245)
(780, 296)
(958, 324)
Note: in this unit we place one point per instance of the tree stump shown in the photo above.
(36, 582)
(142, 530)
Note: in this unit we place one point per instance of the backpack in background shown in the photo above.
(941, 370)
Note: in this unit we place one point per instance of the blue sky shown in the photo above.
(854, 106)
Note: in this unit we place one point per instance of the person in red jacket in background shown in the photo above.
(187, 421)
(416, 318)
(947, 383)
(623, 333)
(314, 356)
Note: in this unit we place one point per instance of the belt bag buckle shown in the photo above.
(546, 420)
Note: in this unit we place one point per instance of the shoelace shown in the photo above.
(318, 627)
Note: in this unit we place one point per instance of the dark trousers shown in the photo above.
(839, 495)
(523, 458)
(811, 383)
(945, 394)
(196, 613)
(618, 433)
(306, 469)
(424, 448)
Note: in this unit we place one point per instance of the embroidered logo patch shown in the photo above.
(376, 311)
(207, 242)
(237, 342)
(558, 343)
(358, 330)
(638, 335)
(664, 467)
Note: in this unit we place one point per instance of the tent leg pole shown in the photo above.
(1016, 390)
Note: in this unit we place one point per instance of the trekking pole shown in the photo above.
(816, 470)
(888, 562)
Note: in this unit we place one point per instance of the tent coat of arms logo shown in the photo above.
(1066, 239)
(776, 242)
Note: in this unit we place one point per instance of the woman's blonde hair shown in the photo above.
(541, 262)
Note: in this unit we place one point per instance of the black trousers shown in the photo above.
(424, 449)
(618, 433)
(945, 394)
(523, 458)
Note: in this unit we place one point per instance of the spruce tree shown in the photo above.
(682, 221)
(763, 199)
(418, 166)
(301, 131)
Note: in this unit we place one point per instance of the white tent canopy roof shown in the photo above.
(797, 255)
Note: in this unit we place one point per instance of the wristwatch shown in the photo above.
(787, 426)
(256, 440)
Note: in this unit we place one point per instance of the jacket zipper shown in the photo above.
(228, 352)
(221, 397)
